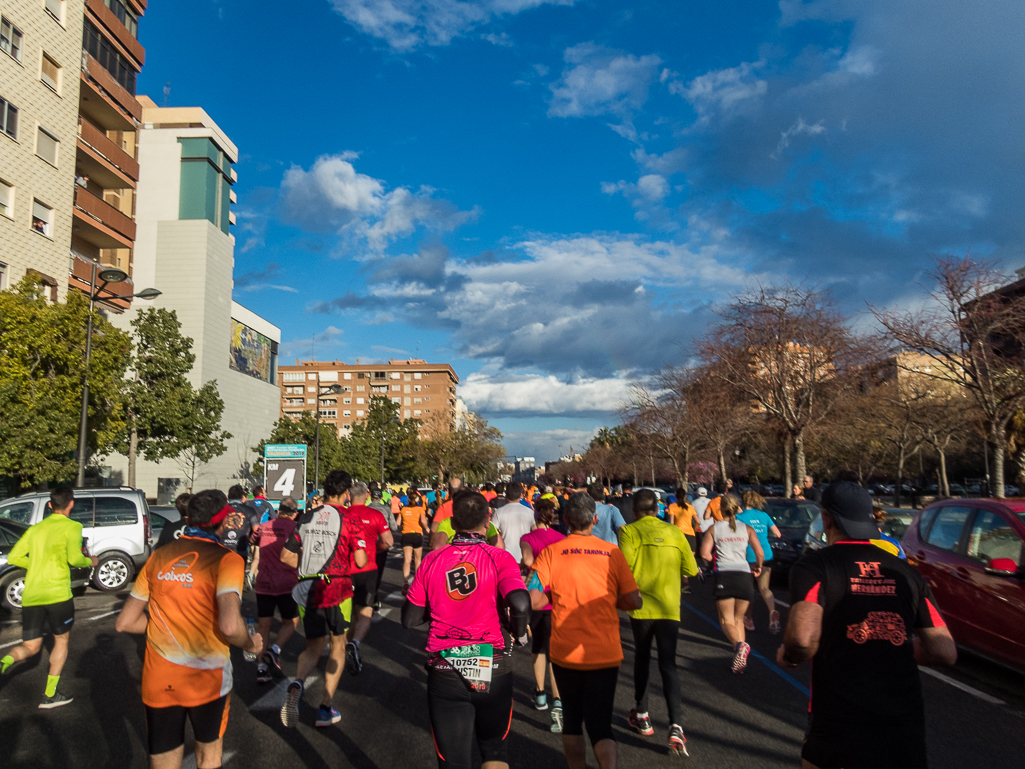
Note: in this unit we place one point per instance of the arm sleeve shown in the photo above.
(231, 574)
(19, 553)
(806, 580)
(140, 589)
(926, 614)
(414, 614)
(688, 564)
(293, 544)
(75, 555)
(625, 581)
(518, 601)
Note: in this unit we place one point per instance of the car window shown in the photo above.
(945, 531)
(791, 515)
(19, 511)
(82, 511)
(992, 537)
(8, 537)
(115, 511)
(928, 516)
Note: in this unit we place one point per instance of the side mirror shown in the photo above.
(1002, 567)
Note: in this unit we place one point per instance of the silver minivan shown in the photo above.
(115, 522)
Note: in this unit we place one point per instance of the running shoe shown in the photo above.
(352, 659)
(377, 606)
(263, 674)
(740, 658)
(327, 716)
(293, 699)
(641, 723)
(540, 700)
(677, 742)
(58, 699)
(405, 589)
(774, 623)
(557, 717)
(274, 658)
(749, 624)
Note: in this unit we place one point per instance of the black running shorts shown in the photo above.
(167, 725)
(285, 604)
(587, 699)
(460, 717)
(364, 588)
(317, 623)
(59, 616)
(540, 631)
(879, 745)
(413, 540)
(733, 584)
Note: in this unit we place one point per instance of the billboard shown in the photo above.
(251, 352)
(285, 472)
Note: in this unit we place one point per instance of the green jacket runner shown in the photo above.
(46, 551)
(659, 556)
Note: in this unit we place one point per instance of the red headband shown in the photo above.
(217, 519)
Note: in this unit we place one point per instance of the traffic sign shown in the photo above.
(285, 472)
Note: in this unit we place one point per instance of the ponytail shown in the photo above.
(729, 507)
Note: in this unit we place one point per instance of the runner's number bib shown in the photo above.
(474, 663)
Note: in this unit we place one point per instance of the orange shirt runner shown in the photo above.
(410, 517)
(188, 662)
(683, 517)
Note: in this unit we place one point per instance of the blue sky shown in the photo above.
(554, 195)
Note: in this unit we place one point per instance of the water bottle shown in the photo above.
(251, 628)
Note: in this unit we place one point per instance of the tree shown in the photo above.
(201, 438)
(662, 406)
(472, 450)
(974, 334)
(42, 367)
(722, 411)
(382, 445)
(303, 431)
(158, 395)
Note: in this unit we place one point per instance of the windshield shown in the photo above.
(897, 526)
(791, 515)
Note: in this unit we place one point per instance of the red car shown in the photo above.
(972, 553)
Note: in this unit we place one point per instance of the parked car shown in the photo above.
(972, 553)
(159, 517)
(897, 521)
(12, 578)
(792, 517)
(115, 521)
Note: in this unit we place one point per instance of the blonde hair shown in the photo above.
(729, 507)
(753, 500)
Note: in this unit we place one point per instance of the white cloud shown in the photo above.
(673, 161)
(646, 196)
(408, 24)
(602, 81)
(799, 128)
(333, 197)
(723, 91)
(546, 445)
(542, 395)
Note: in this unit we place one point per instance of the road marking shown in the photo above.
(771, 665)
(782, 603)
(12, 643)
(963, 687)
(101, 616)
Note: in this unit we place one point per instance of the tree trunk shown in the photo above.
(133, 453)
(787, 486)
(801, 469)
(900, 477)
(722, 464)
(651, 458)
(944, 482)
(999, 452)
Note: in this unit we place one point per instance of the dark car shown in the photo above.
(161, 516)
(792, 517)
(12, 578)
(972, 554)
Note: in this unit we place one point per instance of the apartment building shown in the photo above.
(68, 119)
(422, 390)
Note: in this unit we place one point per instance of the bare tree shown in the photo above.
(722, 411)
(974, 333)
(661, 409)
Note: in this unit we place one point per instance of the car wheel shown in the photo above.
(11, 588)
(113, 572)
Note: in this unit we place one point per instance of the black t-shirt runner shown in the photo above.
(872, 602)
(237, 528)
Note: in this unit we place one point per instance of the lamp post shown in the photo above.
(321, 392)
(109, 275)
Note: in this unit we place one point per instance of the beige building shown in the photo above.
(68, 116)
(422, 390)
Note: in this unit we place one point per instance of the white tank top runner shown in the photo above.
(730, 547)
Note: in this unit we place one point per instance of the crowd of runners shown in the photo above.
(506, 567)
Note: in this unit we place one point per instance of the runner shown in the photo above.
(660, 559)
(514, 519)
(46, 551)
(239, 529)
(414, 524)
(172, 531)
(444, 511)
(866, 619)
(274, 584)
(609, 518)
(586, 580)
(365, 579)
(683, 515)
(625, 502)
(446, 532)
(381, 559)
(712, 511)
(734, 587)
(193, 590)
(323, 543)
(885, 541)
(264, 508)
(754, 516)
(531, 546)
(461, 589)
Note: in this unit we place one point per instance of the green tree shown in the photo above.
(42, 366)
(383, 446)
(158, 396)
(304, 431)
(201, 438)
(473, 450)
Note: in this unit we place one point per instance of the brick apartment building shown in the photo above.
(422, 390)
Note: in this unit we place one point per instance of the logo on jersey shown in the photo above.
(880, 626)
(179, 571)
(461, 581)
(870, 569)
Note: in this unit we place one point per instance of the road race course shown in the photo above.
(975, 711)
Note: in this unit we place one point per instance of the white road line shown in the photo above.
(12, 643)
(782, 603)
(963, 687)
(101, 616)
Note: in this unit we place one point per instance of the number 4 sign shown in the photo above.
(285, 472)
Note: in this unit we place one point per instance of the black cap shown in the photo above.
(375, 493)
(850, 507)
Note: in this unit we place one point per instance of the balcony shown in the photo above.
(125, 171)
(80, 274)
(107, 19)
(99, 223)
(104, 101)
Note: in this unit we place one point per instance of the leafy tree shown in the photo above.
(42, 367)
(158, 395)
(472, 450)
(201, 438)
(386, 438)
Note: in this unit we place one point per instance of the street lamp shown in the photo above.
(321, 392)
(108, 275)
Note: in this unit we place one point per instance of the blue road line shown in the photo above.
(769, 663)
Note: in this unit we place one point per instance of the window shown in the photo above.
(346, 413)
(416, 376)
(81, 512)
(992, 537)
(19, 511)
(406, 414)
(380, 375)
(55, 8)
(42, 218)
(359, 413)
(416, 388)
(397, 401)
(328, 376)
(360, 401)
(418, 400)
(361, 388)
(945, 531)
(311, 389)
(396, 388)
(347, 401)
(46, 146)
(50, 73)
(395, 375)
(347, 375)
(115, 511)
(328, 413)
(292, 376)
(407, 377)
(311, 376)
(3, 276)
(416, 412)
(8, 118)
(346, 389)
(125, 16)
(406, 402)
(310, 401)
(101, 49)
(10, 39)
(6, 201)
(406, 388)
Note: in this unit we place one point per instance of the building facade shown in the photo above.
(68, 119)
(424, 391)
(185, 249)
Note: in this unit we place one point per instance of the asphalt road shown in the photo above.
(976, 711)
